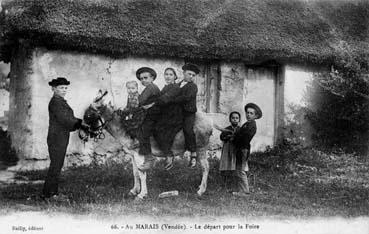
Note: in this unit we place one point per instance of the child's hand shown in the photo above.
(148, 106)
(120, 112)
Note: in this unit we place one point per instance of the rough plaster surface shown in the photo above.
(4, 108)
(297, 79)
(89, 73)
(259, 88)
(20, 103)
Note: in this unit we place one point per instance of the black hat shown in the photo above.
(145, 69)
(59, 81)
(191, 67)
(257, 109)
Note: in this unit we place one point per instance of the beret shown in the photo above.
(59, 81)
(191, 67)
(145, 69)
(257, 109)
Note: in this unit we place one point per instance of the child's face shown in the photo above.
(132, 88)
(146, 78)
(188, 75)
(235, 119)
(169, 76)
(250, 114)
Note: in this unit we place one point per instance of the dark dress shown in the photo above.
(171, 119)
(228, 157)
(61, 123)
(187, 99)
(148, 96)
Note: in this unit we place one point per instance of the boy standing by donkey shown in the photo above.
(187, 98)
(241, 141)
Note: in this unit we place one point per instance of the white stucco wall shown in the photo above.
(297, 79)
(241, 85)
(4, 108)
(4, 95)
(89, 73)
(259, 88)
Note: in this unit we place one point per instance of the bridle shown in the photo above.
(95, 128)
(95, 121)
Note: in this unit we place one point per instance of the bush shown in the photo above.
(338, 105)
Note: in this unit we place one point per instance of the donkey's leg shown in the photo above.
(143, 192)
(204, 163)
(137, 185)
(139, 159)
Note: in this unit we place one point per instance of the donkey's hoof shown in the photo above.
(200, 193)
(140, 198)
(130, 195)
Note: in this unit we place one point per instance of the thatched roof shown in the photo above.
(251, 30)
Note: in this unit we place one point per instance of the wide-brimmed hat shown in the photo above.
(59, 81)
(257, 109)
(145, 69)
(191, 67)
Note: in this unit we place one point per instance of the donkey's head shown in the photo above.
(98, 109)
(97, 114)
(100, 116)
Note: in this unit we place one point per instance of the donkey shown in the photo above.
(105, 117)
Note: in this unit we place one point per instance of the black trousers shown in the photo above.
(57, 156)
(165, 138)
(189, 134)
(146, 131)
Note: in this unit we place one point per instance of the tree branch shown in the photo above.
(330, 90)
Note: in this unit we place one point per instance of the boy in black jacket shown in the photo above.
(187, 98)
(241, 141)
(148, 96)
(61, 122)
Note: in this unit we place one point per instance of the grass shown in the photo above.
(285, 183)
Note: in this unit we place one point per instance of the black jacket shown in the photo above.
(244, 135)
(148, 96)
(187, 97)
(61, 122)
(170, 112)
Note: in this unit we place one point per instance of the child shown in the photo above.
(148, 96)
(228, 157)
(241, 140)
(187, 98)
(61, 122)
(132, 115)
(170, 121)
(132, 100)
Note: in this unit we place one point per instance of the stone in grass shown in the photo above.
(173, 193)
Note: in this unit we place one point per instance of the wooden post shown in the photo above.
(279, 104)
